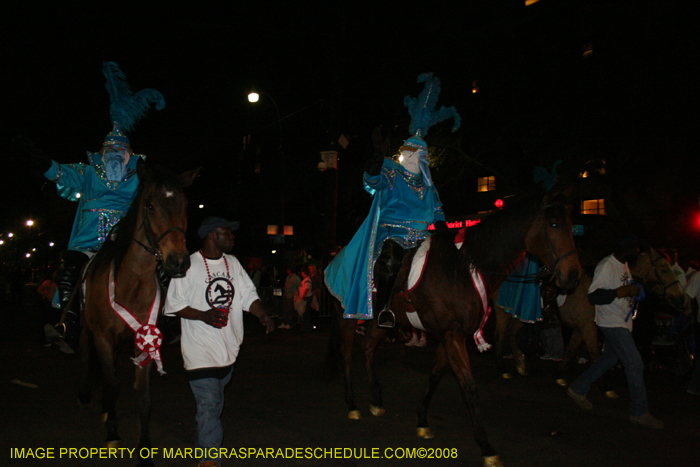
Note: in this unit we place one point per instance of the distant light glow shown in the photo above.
(77, 195)
(28, 255)
(201, 206)
(253, 97)
(274, 251)
(33, 249)
(499, 203)
(10, 235)
(51, 244)
(2, 242)
(30, 223)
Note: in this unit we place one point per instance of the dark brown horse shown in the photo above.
(449, 306)
(152, 231)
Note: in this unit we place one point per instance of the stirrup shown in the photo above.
(386, 318)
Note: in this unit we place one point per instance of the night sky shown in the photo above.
(341, 69)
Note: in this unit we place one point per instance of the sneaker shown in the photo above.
(647, 421)
(421, 343)
(412, 343)
(580, 400)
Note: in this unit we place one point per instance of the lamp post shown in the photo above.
(254, 98)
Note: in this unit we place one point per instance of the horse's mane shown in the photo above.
(114, 249)
(494, 244)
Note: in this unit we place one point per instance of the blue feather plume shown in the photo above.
(548, 180)
(422, 108)
(126, 108)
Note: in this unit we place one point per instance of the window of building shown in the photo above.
(486, 184)
(593, 206)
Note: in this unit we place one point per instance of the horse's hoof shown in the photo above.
(354, 415)
(493, 461)
(114, 444)
(376, 411)
(611, 394)
(103, 417)
(424, 432)
(507, 376)
(561, 382)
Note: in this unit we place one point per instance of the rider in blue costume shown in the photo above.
(105, 188)
(405, 203)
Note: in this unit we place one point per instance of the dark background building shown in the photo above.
(608, 88)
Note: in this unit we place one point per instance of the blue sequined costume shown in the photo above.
(403, 208)
(102, 202)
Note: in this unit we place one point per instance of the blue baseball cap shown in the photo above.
(210, 223)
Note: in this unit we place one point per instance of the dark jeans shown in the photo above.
(619, 346)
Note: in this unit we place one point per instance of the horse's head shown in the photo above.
(550, 238)
(163, 207)
(658, 278)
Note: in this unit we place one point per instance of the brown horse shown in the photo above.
(449, 306)
(152, 231)
(578, 313)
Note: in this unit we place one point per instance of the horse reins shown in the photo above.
(550, 247)
(153, 244)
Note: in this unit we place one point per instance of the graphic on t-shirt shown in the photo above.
(220, 293)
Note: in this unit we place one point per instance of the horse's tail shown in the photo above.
(334, 356)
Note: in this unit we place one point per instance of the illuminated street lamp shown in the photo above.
(253, 97)
(30, 223)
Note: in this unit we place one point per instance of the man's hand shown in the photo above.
(215, 318)
(629, 290)
(268, 322)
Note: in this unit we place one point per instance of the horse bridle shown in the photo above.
(550, 247)
(653, 260)
(153, 246)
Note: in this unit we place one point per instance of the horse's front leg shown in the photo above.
(105, 352)
(518, 356)
(347, 339)
(142, 385)
(375, 334)
(423, 430)
(455, 345)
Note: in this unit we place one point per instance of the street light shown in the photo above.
(254, 97)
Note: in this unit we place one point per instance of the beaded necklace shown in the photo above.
(206, 265)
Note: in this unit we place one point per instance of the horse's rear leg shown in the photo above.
(105, 352)
(347, 339)
(375, 334)
(455, 345)
(423, 430)
(143, 393)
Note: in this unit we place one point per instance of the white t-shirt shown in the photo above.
(202, 345)
(611, 274)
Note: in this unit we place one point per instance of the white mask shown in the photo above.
(411, 160)
(115, 160)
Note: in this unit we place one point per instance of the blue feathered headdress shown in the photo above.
(126, 108)
(548, 179)
(423, 113)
